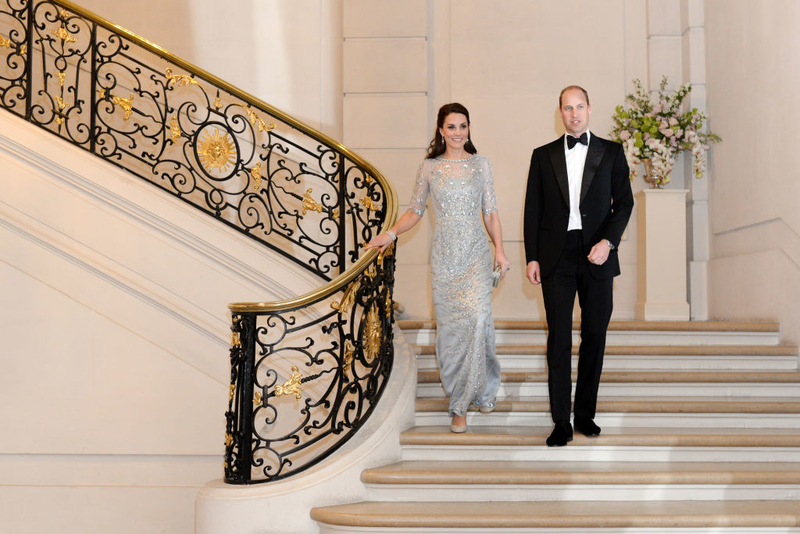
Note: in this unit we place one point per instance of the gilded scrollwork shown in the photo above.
(348, 299)
(258, 122)
(373, 334)
(175, 131)
(255, 174)
(309, 204)
(291, 386)
(62, 33)
(178, 80)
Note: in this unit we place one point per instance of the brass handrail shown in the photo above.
(391, 194)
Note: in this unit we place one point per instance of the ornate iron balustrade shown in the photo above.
(321, 363)
(240, 160)
(256, 169)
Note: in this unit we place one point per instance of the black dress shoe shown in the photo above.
(587, 427)
(562, 434)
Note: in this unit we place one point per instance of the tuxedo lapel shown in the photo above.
(559, 162)
(593, 157)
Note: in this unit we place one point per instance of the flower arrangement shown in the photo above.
(654, 133)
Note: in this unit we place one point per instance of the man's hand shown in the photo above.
(533, 274)
(599, 253)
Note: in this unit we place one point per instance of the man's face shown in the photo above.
(575, 112)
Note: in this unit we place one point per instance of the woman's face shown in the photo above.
(455, 131)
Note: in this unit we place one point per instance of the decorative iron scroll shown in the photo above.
(304, 380)
(304, 376)
(207, 143)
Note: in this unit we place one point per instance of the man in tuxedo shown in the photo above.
(578, 203)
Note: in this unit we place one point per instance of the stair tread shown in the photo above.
(520, 436)
(646, 326)
(429, 376)
(646, 350)
(561, 514)
(560, 472)
(639, 405)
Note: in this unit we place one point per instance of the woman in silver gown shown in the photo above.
(461, 188)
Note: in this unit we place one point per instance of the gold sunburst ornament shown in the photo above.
(216, 150)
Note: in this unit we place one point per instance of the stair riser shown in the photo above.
(539, 337)
(625, 420)
(682, 390)
(647, 362)
(581, 492)
(600, 453)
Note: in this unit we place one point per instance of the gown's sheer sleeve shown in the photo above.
(489, 199)
(420, 196)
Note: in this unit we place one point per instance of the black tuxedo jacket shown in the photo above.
(606, 203)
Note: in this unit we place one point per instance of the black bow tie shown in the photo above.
(572, 140)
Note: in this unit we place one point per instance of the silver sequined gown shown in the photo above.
(461, 276)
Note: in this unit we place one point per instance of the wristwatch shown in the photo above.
(610, 244)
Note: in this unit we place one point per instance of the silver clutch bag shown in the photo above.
(496, 276)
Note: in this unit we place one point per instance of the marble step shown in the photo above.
(539, 517)
(657, 444)
(623, 332)
(647, 357)
(574, 480)
(648, 411)
(643, 383)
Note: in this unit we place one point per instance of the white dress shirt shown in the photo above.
(576, 159)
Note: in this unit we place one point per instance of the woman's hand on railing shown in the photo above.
(381, 241)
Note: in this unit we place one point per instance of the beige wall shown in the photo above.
(287, 53)
(753, 83)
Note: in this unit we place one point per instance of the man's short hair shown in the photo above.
(567, 88)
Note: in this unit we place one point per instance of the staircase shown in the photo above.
(701, 433)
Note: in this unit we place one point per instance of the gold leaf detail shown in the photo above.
(348, 299)
(5, 41)
(217, 104)
(371, 271)
(228, 440)
(174, 129)
(309, 204)
(389, 305)
(125, 103)
(101, 93)
(370, 180)
(336, 213)
(255, 174)
(257, 398)
(63, 14)
(369, 203)
(64, 35)
(236, 340)
(387, 252)
(217, 150)
(60, 120)
(348, 359)
(23, 49)
(61, 77)
(179, 80)
(257, 122)
(61, 103)
(291, 386)
(373, 333)
(232, 392)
